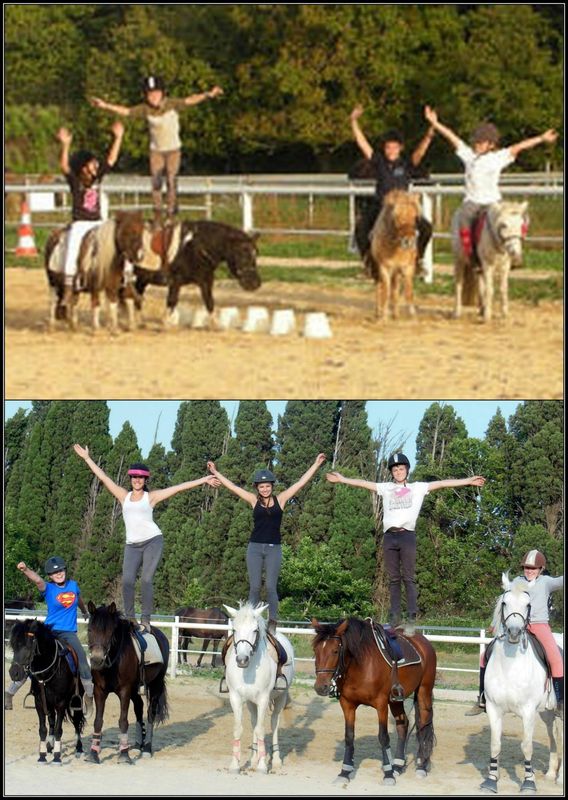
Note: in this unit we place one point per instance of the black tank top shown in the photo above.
(267, 523)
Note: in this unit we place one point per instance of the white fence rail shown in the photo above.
(248, 188)
(479, 640)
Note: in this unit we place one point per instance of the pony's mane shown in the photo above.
(246, 613)
(106, 621)
(358, 636)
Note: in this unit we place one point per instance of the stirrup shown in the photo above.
(76, 703)
(396, 693)
(280, 676)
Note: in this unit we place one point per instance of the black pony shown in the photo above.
(55, 685)
(203, 245)
(116, 668)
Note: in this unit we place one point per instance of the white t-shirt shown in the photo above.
(482, 173)
(401, 503)
(138, 520)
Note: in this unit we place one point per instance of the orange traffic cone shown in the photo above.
(26, 243)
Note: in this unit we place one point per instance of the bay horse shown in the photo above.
(348, 664)
(394, 252)
(55, 684)
(105, 261)
(499, 232)
(116, 668)
(191, 253)
(517, 682)
(251, 676)
(201, 616)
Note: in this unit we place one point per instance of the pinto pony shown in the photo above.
(105, 261)
(116, 668)
(191, 253)
(394, 252)
(500, 232)
(349, 665)
(55, 685)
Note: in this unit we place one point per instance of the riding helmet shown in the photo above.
(139, 470)
(485, 132)
(534, 558)
(264, 476)
(153, 83)
(393, 135)
(54, 564)
(398, 458)
(78, 160)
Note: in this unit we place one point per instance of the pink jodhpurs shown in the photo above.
(543, 633)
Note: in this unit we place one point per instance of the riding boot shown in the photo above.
(394, 619)
(272, 623)
(479, 706)
(145, 625)
(558, 684)
(410, 627)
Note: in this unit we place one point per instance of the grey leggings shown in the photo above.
(399, 550)
(71, 638)
(147, 554)
(269, 557)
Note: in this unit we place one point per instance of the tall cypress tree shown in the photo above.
(438, 427)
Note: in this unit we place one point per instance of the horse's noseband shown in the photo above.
(337, 670)
(253, 645)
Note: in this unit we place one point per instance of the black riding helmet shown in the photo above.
(153, 83)
(263, 476)
(54, 564)
(398, 458)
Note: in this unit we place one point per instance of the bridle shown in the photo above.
(39, 674)
(339, 669)
(253, 645)
(107, 663)
(525, 619)
(499, 240)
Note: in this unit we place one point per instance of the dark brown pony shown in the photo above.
(116, 668)
(349, 665)
(200, 616)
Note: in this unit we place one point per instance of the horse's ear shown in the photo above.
(91, 607)
(505, 582)
(260, 609)
(232, 612)
(112, 608)
(340, 630)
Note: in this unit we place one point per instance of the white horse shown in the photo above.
(516, 682)
(251, 675)
(500, 244)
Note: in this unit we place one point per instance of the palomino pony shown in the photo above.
(116, 668)
(394, 251)
(500, 244)
(103, 265)
(349, 665)
(191, 254)
(55, 684)
(200, 616)
(251, 676)
(516, 681)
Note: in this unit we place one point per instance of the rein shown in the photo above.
(58, 654)
(526, 620)
(499, 240)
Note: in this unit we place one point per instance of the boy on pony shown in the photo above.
(62, 596)
(539, 587)
(391, 170)
(483, 161)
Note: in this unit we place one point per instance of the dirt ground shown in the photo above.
(429, 356)
(193, 751)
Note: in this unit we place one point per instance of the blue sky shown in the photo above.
(402, 417)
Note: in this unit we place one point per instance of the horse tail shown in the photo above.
(424, 732)
(162, 710)
(470, 294)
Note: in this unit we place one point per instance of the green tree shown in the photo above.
(439, 425)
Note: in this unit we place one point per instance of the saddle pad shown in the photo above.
(152, 653)
(409, 654)
(276, 650)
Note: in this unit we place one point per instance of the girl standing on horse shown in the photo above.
(62, 596)
(539, 588)
(264, 551)
(402, 502)
(483, 163)
(144, 539)
(161, 114)
(84, 173)
(392, 171)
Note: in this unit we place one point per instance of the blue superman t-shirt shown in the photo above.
(62, 604)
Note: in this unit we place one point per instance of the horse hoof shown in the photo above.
(92, 757)
(390, 781)
(341, 780)
(421, 773)
(42, 759)
(528, 787)
(147, 753)
(489, 785)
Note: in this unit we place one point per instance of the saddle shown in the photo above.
(397, 651)
(277, 652)
(538, 650)
(147, 652)
(165, 243)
